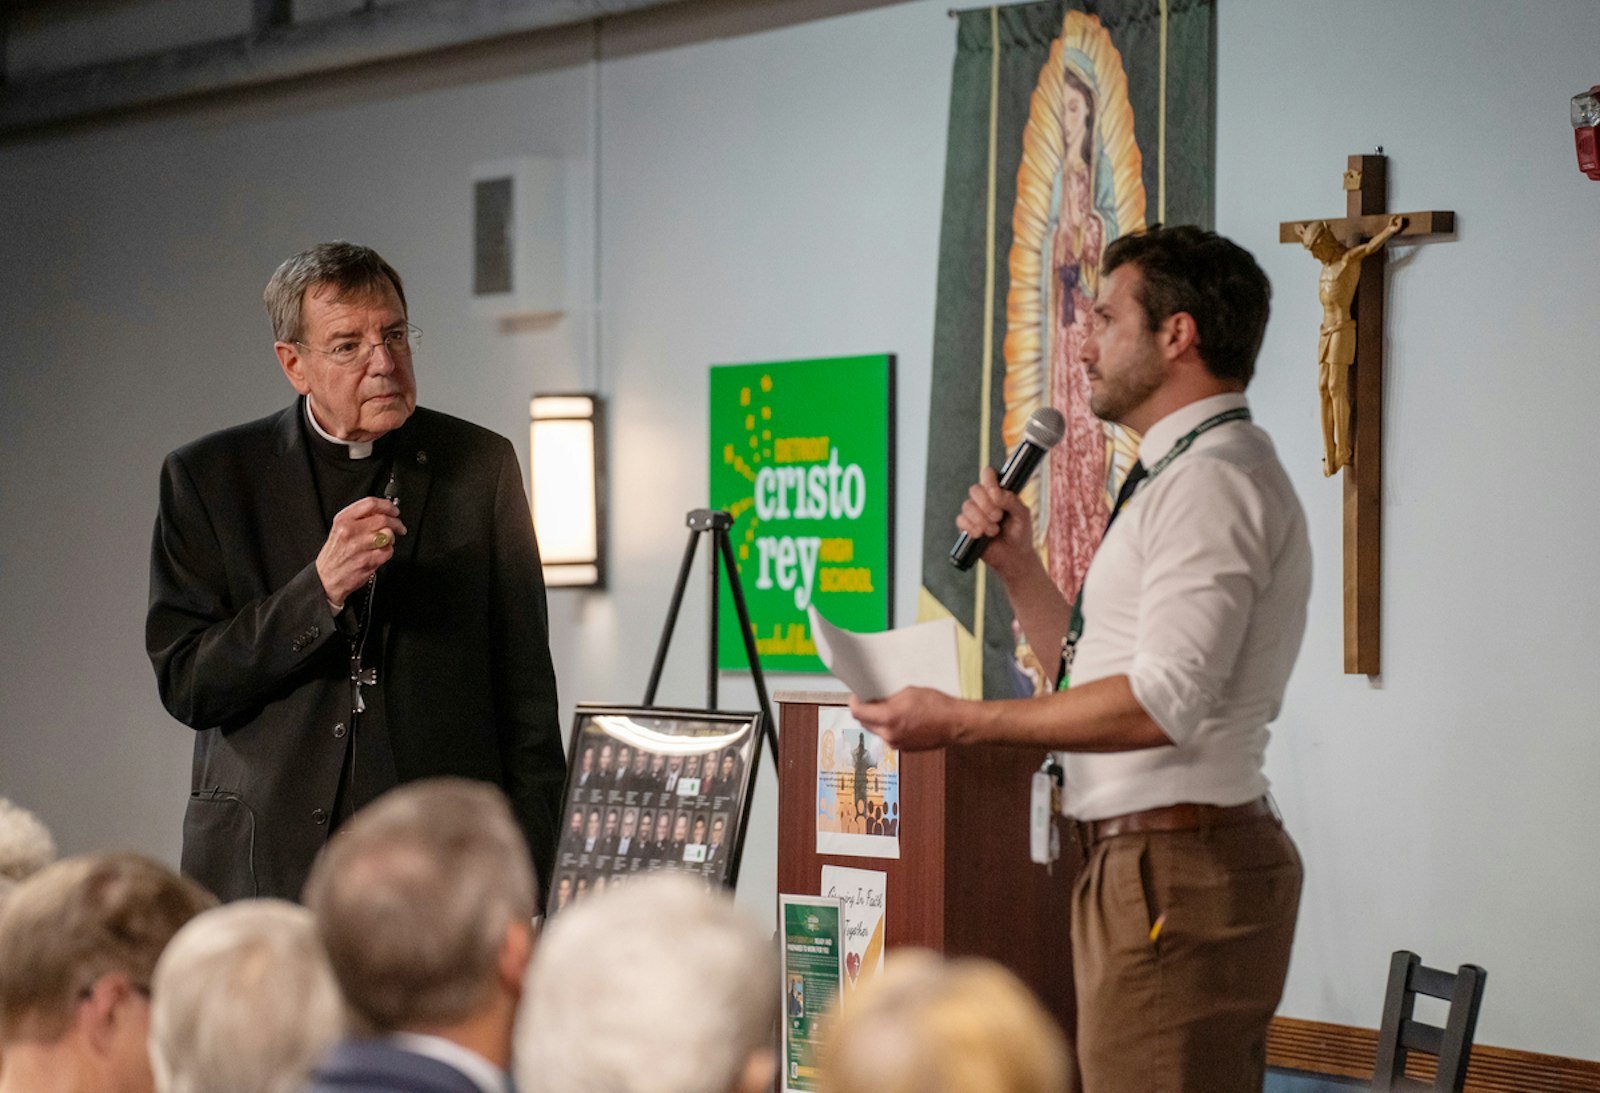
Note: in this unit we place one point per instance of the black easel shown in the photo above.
(717, 523)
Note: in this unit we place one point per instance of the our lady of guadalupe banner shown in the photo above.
(1069, 126)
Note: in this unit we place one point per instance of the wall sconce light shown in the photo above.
(1586, 130)
(567, 474)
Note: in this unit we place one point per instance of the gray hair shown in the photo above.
(413, 897)
(656, 986)
(243, 1000)
(348, 268)
(25, 843)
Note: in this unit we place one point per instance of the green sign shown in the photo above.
(800, 457)
(813, 973)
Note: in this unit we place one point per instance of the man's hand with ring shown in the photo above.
(361, 540)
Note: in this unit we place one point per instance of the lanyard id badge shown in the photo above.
(1044, 838)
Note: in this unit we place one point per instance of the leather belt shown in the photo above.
(1179, 817)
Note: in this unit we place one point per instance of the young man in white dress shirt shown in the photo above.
(1174, 661)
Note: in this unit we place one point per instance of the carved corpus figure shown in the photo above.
(1336, 345)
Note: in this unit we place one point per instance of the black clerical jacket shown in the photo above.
(248, 653)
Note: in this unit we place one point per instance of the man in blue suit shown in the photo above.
(425, 901)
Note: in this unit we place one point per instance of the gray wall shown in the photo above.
(775, 193)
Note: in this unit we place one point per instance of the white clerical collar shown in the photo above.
(1161, 436)
(358, 449)
(484, 1074)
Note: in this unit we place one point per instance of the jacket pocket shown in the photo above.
(219, 843)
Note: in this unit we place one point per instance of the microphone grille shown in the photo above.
(1045, 427)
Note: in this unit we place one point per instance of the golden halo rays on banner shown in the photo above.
(1115, 188)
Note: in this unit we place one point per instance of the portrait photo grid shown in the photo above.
(647, 791)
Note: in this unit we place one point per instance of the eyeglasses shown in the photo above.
(402, 341)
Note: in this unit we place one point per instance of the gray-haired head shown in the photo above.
(243, 1000)
(634, 955)
(25, 843)
(414, 898)
(349, 269)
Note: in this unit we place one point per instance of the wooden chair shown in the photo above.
(1399, 1035)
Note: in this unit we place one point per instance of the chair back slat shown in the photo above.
(1416, 1036)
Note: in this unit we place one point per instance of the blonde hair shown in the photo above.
(78, 920)
(934, 1026)
(243, 1000)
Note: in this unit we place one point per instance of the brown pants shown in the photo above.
(1182, 1008)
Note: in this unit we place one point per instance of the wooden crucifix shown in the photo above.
(1350, 363)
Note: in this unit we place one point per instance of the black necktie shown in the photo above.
(1136, 474)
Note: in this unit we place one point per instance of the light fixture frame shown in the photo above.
(571, 571)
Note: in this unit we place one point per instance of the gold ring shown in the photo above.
(380, 539)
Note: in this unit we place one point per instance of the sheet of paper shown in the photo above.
(862, 892)
(877, 665)
(813, 975)
(858, 789)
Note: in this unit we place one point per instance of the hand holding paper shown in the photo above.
(877, 665)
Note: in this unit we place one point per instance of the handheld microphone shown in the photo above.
(1044, 431)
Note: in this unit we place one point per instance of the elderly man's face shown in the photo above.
(359, 402)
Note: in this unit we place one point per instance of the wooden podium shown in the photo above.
(963, 884)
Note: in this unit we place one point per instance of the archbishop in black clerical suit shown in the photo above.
(323, 645)
(247, 651)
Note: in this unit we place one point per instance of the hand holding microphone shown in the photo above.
(985, 512)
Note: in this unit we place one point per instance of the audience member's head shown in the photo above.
(79, 942)
(609, 993)
(425, 901)
(243, 1001)
(934, 1026)
(25, 846)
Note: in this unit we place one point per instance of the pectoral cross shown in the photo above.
(1350, 363)
(360, 677)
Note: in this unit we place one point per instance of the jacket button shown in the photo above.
(338, 731)
(319, 817)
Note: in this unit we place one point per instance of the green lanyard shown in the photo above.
(1069, 644)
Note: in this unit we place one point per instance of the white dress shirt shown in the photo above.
(1198, 595)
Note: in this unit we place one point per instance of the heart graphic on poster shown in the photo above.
(852, 965)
